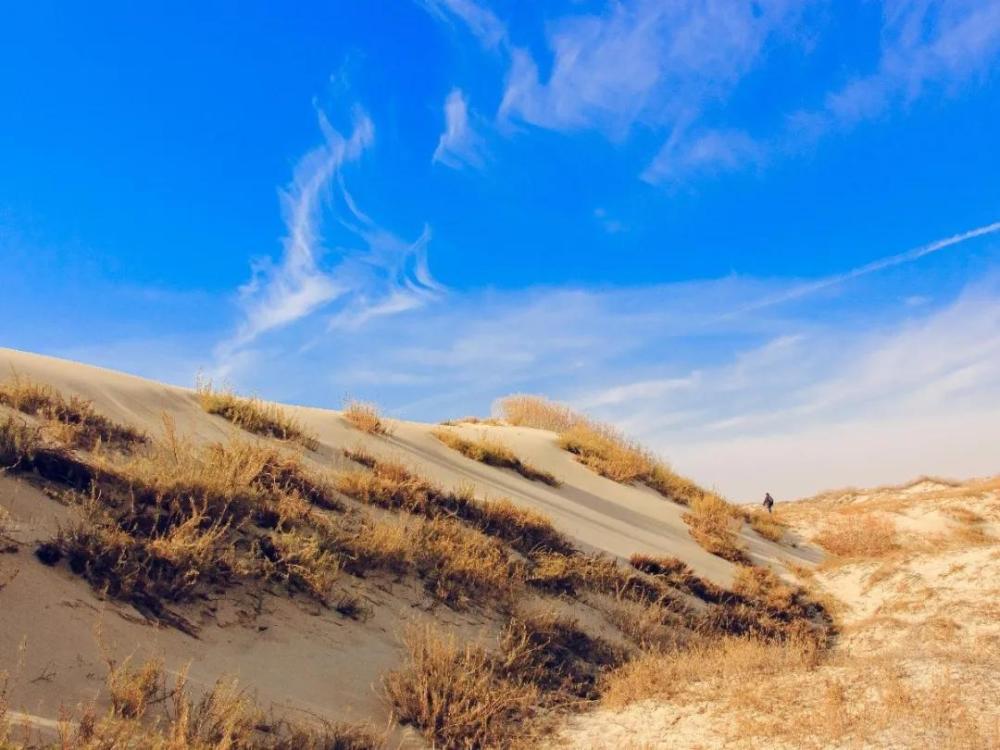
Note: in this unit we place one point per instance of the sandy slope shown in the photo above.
(917, 660)
(53, 628)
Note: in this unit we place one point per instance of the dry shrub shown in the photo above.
(711, 520)
(964, 515)
(489, 422)
(649, 626)
(159, 525)
(680, 576)
(19, 442)
(460, 564)
(599, 446)
(391, 485)
(132, 690)
(856, 535)
(524, 529)
(766, 525)
(712, 662)
(494, 453)
(459, 697)
(571, 574)
(378, 545)
(556, 655)
(366, 417)
(535, 411)
(146, 712)
(74, 420)
(254, 415)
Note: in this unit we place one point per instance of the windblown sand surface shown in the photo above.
(917, 660)
(56, 633)
(911, 575)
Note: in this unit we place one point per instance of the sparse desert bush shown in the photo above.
(254, 415)
(679, 575)
(648, 625)
(766, 525)
(490, 422)
(160, 524)
(389, 484)
(19, 442)
(460, 564)
(535, 411)
(711, 520)
(494, 453)
(366, 417)
(556, 655)
(459, 697)
(75, 419)
(378, 545)
(599, 446)
(147, 712)
(572, 574)
(856, 535)
(525, 530)
(737, 663)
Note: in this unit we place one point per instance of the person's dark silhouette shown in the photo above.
(768, 501)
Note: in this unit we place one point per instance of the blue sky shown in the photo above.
(713, 223)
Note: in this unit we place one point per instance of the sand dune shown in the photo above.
(916, 597)
(57, 634)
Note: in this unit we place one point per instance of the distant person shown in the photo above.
(768, 501)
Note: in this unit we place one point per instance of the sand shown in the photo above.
(918, 652)
(56, 633)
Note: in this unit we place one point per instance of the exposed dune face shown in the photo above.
(913, 579)
(302, 657)
(390, 566)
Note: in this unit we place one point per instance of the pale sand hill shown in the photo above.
(917, 661)
(53, 628)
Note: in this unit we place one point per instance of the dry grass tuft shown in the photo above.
(494, 453)
(391, 485)
(523, 410)
(489, 422)
(73, 420)
(161, 525)
(711, 520)
(254, 415)
(556, 655)
(147, 712)
(459, 697)
(366, 417)
(766, 525)
(734, 662)
(679, 575)
(19, 442)
(461, 565)
(856, 535)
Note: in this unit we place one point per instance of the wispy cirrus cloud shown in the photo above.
(641, 61)
(478, 18)
(459, 145)
(926, 47)
(773, 399)
(374, 273)
(674, 67)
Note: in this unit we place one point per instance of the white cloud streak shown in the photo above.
(459, 145)
(480, 20)
(385, 276)
(909, 256)
(644, 60)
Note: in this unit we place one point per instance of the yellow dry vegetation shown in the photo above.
(366, 417)
(254, 415)
(493, 452)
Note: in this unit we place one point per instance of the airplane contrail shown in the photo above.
(876, 265)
